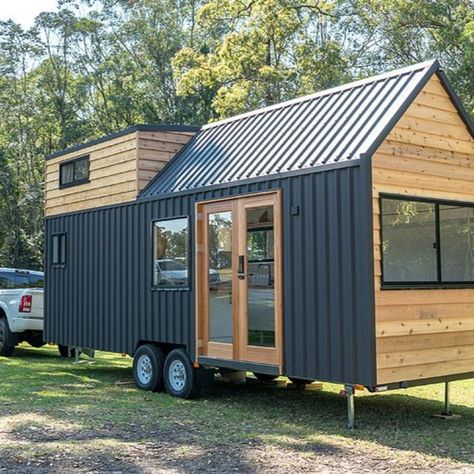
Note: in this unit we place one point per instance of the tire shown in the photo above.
(6, 337)
(66, 351)
(148, 364)
(181, 378)
(36, 341)
(298, 381)
(265, 377)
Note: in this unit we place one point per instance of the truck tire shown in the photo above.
(35, 340)
(6, 338)
(148, 363)
(181, 378)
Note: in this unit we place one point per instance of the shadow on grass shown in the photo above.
(230, 416)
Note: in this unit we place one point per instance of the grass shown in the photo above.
(55, 414)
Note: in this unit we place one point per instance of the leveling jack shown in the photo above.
(446, 414)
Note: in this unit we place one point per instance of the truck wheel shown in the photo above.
(265, 377)
(181, 378)
(6, 336)
(66, 351)
(36, 341)
(148, 368)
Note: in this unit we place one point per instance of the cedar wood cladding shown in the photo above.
(103, 297)
(429, 153)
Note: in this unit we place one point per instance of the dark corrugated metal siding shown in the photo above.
(103, 299)
(334, 126)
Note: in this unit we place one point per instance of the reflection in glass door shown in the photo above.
(260, 277)
(239, 285)
(219, 227)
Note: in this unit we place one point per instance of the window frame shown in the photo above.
(439, 283)
(59, 264)
(74, 182)
(189, 265)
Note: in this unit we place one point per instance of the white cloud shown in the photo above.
(25, 11)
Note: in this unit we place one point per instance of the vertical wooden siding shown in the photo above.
(430, 153)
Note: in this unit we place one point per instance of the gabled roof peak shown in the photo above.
(335, 127)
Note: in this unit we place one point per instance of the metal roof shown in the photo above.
(336, 126)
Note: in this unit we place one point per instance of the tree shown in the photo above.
(260, 53)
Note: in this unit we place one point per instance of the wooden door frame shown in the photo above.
(260, 354)
(241, 352)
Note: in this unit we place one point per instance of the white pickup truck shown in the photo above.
(21, 309)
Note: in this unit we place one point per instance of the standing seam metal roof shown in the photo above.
(334, 126)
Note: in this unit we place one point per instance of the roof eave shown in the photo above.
(456, 101)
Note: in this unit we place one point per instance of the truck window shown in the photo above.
(22, 280)
(7, 281)
(36, 281)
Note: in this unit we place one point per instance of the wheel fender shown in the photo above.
(4, 312)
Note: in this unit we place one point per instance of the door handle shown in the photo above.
(241, 270)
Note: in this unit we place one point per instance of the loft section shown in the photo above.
(112, 169)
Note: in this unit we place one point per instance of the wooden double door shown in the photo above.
(239, 279)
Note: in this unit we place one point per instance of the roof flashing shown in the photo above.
(121, 133)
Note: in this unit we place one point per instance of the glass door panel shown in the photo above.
(220, 277)
(239, 279)
(260, 277)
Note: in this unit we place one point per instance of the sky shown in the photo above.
(25, 11)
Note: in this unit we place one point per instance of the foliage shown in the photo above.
(95, 66)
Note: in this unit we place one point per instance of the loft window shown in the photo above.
(74, 172)
(170, 253)
(58, 250)
(426, 242)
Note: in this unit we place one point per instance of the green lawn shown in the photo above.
(89, 417)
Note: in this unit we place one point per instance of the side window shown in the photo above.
(58, 249)
(170, 253)
(426, 242)
(22, 280)
(74, 172)
(36, 281)
(7, 281)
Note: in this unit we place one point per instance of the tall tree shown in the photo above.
(260, 53)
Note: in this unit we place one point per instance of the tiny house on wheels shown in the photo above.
(325, 238)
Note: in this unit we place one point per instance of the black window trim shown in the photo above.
(439, 284)
(58, 264)
(78, 181)
(189, 256)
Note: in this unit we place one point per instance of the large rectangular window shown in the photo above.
(74, 172)
(426, 242)
(170, 253)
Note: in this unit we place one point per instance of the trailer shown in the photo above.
(329, 238)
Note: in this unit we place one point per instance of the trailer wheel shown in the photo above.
(265, 377)
(298, 381)
(181, 378)
(67, 351)
(6, 336)
(148, 368)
